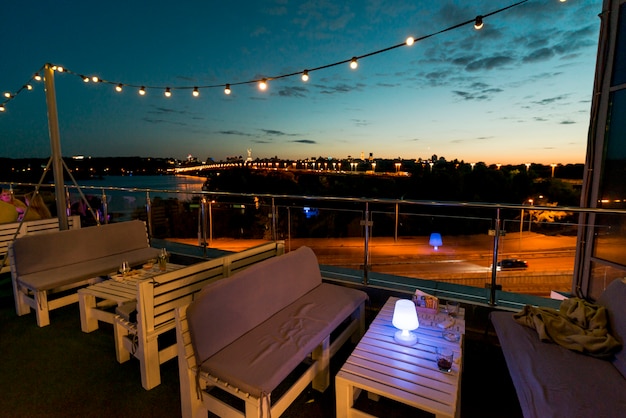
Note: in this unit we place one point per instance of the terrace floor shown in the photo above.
(59, 371)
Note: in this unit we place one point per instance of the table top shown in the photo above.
(124, 288)
(408, 374)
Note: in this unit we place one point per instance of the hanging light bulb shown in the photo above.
(86, 79)
(263, 84)
(59, 69)
(305, 75)
(410, 41)
(37, 77)
(195, 92)
(142, 91)
(28, 87)
(8, 95)
(95, 79)
(118, 88)
(168, 92)
(2, 108)
(479, 22)
(354, 63)
(227, 89)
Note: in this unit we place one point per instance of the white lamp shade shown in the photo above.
(405, 319)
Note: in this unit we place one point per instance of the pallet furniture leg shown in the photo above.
(322, 355)
(148, 355)
(119, 333)
(41, 308)
(21, 306)
(88, 322)
(345, 396)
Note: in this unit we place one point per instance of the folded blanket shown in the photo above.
(578, 325)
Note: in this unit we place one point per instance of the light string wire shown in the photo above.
(226, 86)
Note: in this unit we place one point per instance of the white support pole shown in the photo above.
(55, 146)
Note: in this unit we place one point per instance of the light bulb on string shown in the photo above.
(354, 63)
(227, 89)
(479, 22)
(195, 92)
(86, 79)
(2, 108)
(28, 87)
(59, 69)
(168, 92)
(95, 79)
(263, 84)
(37, 77)
(8, 95)
(305, 75)
(142, 91)
(118, 88)
(409, 41)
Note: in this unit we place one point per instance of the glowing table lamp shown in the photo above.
(435, 240)
(405, 319)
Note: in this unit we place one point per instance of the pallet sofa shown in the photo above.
(553, 381)
(157, 298)
(47, 269)
(13, 230)
(246, 334)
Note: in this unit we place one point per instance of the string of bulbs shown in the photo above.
(262, 83)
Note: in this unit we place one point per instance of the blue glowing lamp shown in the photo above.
(405, 319)
(435, 240)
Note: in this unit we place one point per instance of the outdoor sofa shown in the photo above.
(246, 334)
(554, 381)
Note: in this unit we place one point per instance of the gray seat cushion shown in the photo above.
(260, 359)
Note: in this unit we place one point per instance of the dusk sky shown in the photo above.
(518, 90)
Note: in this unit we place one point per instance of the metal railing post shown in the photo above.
(494, 263)
(366, 254)
(210, 223)
(274, 234)
(395, 236)
(105, 207)
(288, 229)
(149, 215)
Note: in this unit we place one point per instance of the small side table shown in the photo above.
(408, 375)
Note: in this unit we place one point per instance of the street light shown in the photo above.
(553, 167)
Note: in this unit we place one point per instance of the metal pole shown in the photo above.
(55, 146)
(494, 263)
(288, 228)
(105, 207)
(273, 220)
(366, 254)
(395, 237)
(149, 215)
(210, 222)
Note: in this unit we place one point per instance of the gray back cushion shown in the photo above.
(228, 308)
(62, 248)
(614, 299)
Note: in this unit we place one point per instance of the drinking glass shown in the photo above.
(163, 259)
(444, 359)
(452, 308)
(125, 268)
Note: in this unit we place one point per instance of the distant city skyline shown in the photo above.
(518, 90)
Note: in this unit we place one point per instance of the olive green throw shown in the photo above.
(578, 325)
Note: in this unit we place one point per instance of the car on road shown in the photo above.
(512, 264)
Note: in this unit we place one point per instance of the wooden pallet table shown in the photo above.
(409, 375)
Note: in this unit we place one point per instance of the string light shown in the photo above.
(2, 108)
(86, 79)
(7, 95)
(478, 23)
(353, 62)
